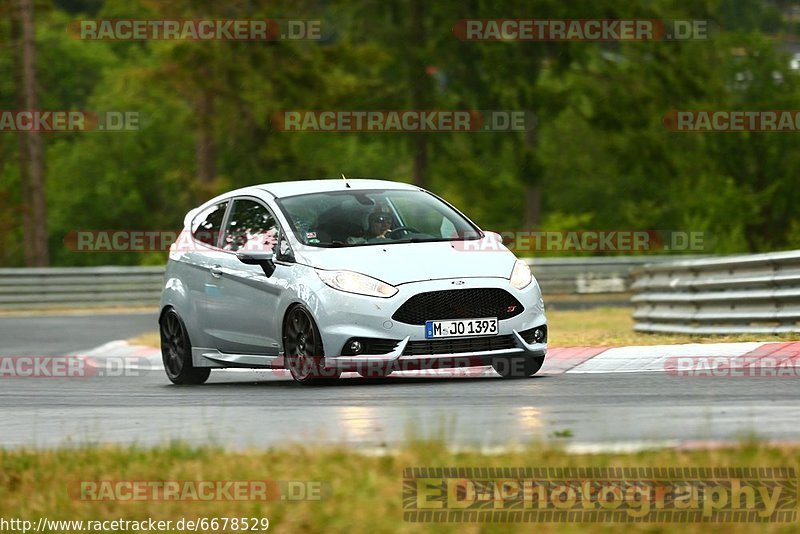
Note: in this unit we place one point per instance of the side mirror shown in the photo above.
(258, 257)
(499, 238)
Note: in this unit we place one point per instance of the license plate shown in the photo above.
(461, 327)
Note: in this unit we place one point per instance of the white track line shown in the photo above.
(648, 359)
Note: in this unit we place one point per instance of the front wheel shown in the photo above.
(517, 366)
(176, 352)
(302, 346)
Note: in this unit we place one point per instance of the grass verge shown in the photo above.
(362, 493)
(614, 327)
(148, 339)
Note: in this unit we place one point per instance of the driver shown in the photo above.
(380, 224)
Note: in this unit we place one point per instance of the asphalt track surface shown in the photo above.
(256, 409)
(54, 335)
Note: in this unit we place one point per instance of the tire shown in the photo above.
(517, 366)
(303, 351)
(176, 352)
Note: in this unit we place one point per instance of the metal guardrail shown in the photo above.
(590, 275)
(757, 293)
(36, 288)
(53, 287)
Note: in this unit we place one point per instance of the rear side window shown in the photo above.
(208, 224)
(251, 226)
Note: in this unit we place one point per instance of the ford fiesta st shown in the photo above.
(322, 277)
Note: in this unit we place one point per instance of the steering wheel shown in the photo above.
(395, 231)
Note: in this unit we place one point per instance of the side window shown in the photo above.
(207, 225)
(251, 226)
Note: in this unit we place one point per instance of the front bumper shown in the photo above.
(397, 361)
(354, 316)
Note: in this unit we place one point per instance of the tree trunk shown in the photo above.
(420, 93)
(24, 165)
(532, 178)
(533, 206)
(205, 147)
(420, 159)
(35, 152)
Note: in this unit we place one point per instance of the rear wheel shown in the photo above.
(517, 366)
(176, 352)
(302, 346)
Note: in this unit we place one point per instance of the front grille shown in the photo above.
(458, 304)
(458, 346)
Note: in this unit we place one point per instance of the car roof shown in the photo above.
(288, 189)
(300, 187)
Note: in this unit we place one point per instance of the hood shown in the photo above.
(401, 263)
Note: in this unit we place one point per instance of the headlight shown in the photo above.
(521, 276)
(356, 283)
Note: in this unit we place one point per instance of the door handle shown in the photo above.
(216, 272)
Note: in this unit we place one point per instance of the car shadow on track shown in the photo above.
(357, 381)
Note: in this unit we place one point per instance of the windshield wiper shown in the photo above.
(422, 240)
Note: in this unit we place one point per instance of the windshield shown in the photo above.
(373, 217)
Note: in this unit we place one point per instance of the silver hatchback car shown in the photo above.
(322, 277)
